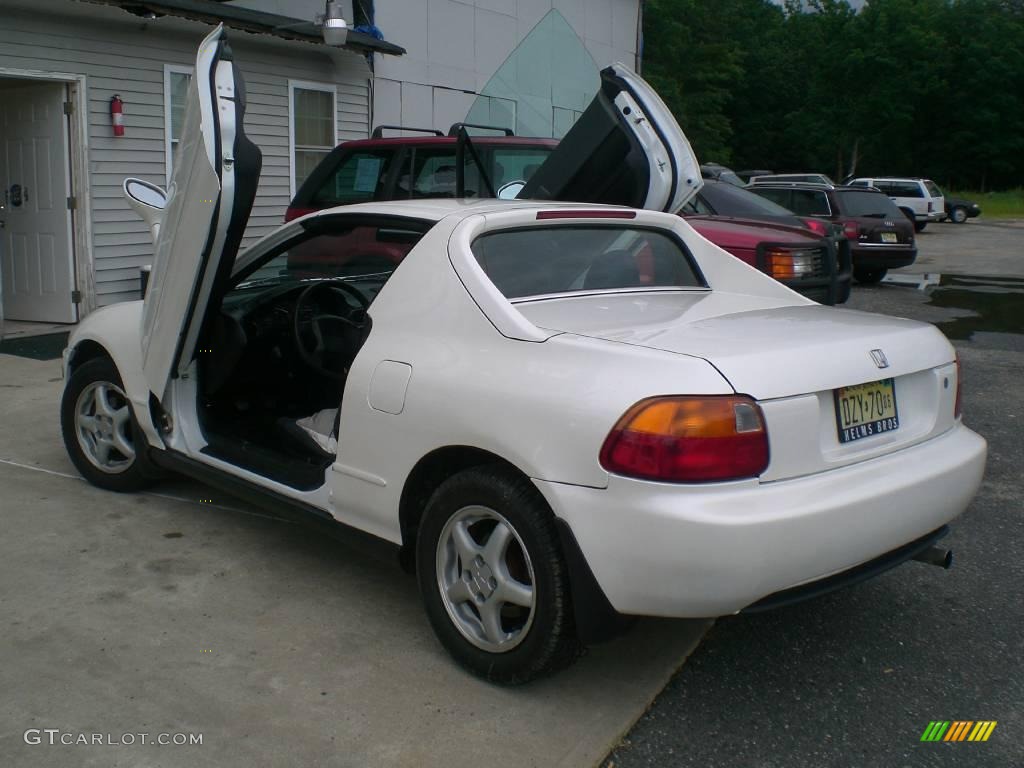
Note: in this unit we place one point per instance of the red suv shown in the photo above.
(606, 157)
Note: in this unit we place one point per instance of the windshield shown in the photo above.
(855, 202)
(551, 260)
(727, 200)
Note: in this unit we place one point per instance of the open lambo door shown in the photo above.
(625, 149)
(213, 186)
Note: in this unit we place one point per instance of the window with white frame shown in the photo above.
(176, 82)
(312, 127)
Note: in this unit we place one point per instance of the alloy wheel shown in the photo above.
(486, 580)
(103, 426)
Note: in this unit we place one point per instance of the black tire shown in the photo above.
(547, 642)
(958, 215)
(125, 473)
(869, 276)
(920, 225)
(843, 294)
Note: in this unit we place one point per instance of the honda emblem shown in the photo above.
(879, 357)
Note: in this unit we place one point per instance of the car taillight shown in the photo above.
(688, 440)
(931, 207)
(786, 264)
(817, 226)
(296, 212)
(958, 401)
(851, 230)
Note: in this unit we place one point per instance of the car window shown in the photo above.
(933, 189)
(359, 178)
(361, 251)
(810, 202)
(905, 189)
(734, 201)
(698, 205)
(862, 183)
(780, 197)
(515, 163)
(864, 203)
(549, 260)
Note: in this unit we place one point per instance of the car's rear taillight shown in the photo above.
(931, 207)
(295, 212)
(817, 226)
(688, 439)
(786, 264)
(958, 400)
(851, 229)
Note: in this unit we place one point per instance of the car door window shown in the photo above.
(777, 196)
(810, 202)
(359, 178)
(906, 189)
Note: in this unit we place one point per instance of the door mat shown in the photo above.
(46, 347)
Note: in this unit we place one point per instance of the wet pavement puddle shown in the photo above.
(996, 306)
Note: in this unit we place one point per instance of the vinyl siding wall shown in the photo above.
(120, 54)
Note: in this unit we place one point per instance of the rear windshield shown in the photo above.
(547, 260)
(877, 205)
(933, 189)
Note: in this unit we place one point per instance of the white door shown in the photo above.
(36, 265)
(213, 186)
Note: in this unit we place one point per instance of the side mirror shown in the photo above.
(147, 200)
(510, 190)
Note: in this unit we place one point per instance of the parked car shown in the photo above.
(920, 200)
(880, 236)
(718, 172)
(810, 178)
(958, 210)
(765, 235)
(811, 262)
(557, 413)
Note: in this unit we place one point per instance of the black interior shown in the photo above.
(282, 336)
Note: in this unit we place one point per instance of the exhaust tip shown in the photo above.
(943, 558)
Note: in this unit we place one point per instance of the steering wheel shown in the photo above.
(330, 353)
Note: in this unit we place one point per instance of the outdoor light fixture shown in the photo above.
(335, 26)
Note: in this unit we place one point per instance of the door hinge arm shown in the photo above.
(69, 107)
(72, 203)
(76, 297)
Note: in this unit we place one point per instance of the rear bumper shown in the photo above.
(697, 551)
(883, 255)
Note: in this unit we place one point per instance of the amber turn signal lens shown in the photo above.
(689, 439)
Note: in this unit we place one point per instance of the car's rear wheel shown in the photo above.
(493, 578)
(869, 276)
(958, 215)
(99, 429)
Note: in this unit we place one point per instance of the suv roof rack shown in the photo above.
(456, 127)
(378, 132)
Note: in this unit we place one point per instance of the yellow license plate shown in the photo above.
(888, 237)
(866, 410)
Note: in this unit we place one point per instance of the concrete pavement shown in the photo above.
(158, 613)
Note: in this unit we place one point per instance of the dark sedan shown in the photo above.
(959, 210)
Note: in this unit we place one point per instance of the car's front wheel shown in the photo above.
(869, 276)
(98, 428)
(493, 578)
(958, 215)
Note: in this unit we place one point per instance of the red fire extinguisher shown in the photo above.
(117, 115)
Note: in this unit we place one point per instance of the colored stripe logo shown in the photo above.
(958, 730)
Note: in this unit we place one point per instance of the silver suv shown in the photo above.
(920, 200)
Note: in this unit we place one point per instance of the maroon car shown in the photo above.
(807, 259)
